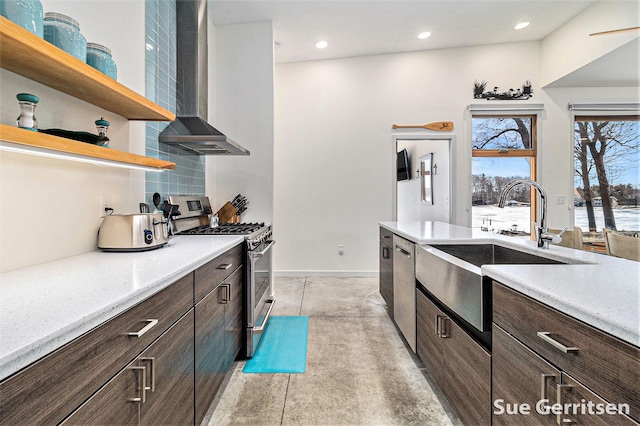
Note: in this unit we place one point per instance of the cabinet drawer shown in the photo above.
(605, 364)
(386, 236)
(208, 276)
(48, 390)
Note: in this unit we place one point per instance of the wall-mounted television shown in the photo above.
(403, 166)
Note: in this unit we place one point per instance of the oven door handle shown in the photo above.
(259, 254)
(266, 318)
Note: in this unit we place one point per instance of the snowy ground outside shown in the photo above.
(496, 219)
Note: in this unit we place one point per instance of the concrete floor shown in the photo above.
(359, 371)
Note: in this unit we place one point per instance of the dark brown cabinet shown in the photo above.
(218, 337)
(460, 366)
(50, 389)
(169, 365)
(155, 389)
(520, 377)
(592, 371)
(144, 366)
(386, 269)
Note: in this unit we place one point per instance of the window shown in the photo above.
(504, 149)
(607, 174)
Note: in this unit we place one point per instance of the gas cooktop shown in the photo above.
(226, 229)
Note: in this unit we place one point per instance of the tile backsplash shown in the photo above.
(160, 64)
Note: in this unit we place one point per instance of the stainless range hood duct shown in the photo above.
(190, 130)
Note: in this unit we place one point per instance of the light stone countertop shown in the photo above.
(602, 291)
(45, 306)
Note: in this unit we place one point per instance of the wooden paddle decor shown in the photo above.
(621, 30)
(437, 125)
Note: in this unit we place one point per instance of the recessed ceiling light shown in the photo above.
(321, 44)
(521, 25)
(424, 35)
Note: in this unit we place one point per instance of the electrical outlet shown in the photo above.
(105, 205)
(341, 250)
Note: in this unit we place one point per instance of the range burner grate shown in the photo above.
(226, 229)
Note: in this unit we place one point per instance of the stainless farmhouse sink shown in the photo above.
(451, 273)
(493, 254)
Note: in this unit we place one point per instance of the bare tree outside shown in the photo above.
(606, 153)
(503, 150)
(502, 133)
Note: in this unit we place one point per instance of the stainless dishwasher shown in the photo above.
(404, 289)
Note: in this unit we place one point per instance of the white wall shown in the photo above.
(49, 208)
(570, 47)
(409, 204)
(242, 87)
(333, 174)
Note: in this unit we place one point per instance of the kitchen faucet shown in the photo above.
(542, 232)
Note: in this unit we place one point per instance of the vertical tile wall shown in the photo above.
(189, 176)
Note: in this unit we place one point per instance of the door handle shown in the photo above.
(403, 251)
(261, 253)
(441, 326)
(544, 378)
(141, 385)
(152, 372)
(226, 298)
(560, 419)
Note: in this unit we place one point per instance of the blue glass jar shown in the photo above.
(26, 13)
(99, 57)
(64, 32)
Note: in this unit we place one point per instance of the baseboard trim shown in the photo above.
(325, 273)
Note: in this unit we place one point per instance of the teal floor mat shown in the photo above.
(282, 348)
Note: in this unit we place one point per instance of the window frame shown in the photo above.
(531, 154)
(598, 112)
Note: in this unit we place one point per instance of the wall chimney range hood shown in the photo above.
(190, 131)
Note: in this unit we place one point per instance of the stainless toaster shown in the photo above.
(133, 232)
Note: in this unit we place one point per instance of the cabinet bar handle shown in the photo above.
(225, 266)
(403, 251)
(443, 330)
(385, 253)
(544, 378)
(441, 326)
(142, 385)
(560, 419)
(152, 372)
(546, 336)
(227, 293)
(143, 330)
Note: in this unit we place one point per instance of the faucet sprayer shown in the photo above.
(542, 232)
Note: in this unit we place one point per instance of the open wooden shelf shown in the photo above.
(30, 138)
(30, 56)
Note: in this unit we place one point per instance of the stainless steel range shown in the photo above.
(195, 219)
